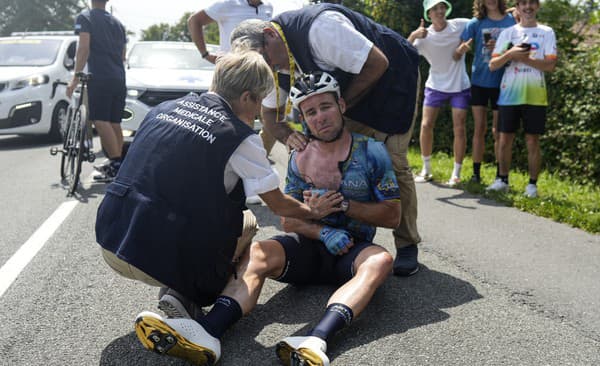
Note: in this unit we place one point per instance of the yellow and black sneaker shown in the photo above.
(302, 351)
(182, 338)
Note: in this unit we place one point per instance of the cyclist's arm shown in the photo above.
(81, 58)
(195, 24)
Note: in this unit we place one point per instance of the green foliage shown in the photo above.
(211, 33)
(164, 32)
(572, 145)
(37, 15)
(179, 32)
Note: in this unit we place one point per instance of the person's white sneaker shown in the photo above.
(498, 186)
(453, 182)
(253, 200)
(531, 191)
(423, 177)
(182, 338)
(302, 351)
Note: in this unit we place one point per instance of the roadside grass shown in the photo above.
(560, 200)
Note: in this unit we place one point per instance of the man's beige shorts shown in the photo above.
(128, 271)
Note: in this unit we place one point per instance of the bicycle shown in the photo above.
(77, 140)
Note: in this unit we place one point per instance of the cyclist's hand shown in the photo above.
(71, 87)
(337, 241)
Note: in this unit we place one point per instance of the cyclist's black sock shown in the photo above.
(477, 169)
(532, 181)
(224, 313)
(504, 178)
(335, 318)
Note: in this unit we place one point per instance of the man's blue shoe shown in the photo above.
(406, 263)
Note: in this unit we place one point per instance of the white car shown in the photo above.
(160, 71)
(32, 65)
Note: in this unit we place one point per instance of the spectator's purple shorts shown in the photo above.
(460, 100)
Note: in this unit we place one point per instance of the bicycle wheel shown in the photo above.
(80, 143)
(67, 138)
(74, 150)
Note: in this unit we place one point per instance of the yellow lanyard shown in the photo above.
(288, 106)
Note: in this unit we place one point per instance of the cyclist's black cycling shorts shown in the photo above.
(106, 99)
(309, 263)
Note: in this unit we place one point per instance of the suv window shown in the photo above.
(28, 52)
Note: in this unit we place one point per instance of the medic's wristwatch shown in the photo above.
(344, 205)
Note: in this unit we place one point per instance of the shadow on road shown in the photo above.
(401, 304)
(465, 199)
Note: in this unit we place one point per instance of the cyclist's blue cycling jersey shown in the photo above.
(367, 176)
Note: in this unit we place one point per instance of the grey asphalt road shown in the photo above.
(497, 287)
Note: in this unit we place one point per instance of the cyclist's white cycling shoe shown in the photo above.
(182, 338)
(302, 351)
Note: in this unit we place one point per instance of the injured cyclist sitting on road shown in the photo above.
(336, 250)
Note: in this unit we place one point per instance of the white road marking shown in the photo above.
(13, 267)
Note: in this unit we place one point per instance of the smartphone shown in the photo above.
(487, 36)
(526, 46)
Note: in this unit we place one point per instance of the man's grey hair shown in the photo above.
(248, 35)
(237, 72)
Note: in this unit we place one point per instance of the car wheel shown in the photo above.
(59, 121)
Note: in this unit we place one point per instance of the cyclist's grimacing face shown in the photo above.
(323, 115)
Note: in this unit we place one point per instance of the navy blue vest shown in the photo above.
(390, 105)
(167, 212)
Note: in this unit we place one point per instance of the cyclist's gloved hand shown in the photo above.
(337, 241)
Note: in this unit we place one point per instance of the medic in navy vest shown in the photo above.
(167, 212)
(390, 105)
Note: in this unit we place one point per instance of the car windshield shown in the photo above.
(28, 52)
(167, 56)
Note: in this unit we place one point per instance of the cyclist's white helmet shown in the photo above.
(318, 82)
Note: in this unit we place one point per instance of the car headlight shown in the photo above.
(34, 80)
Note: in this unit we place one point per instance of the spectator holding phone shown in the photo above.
(490, 17)
(530, 48)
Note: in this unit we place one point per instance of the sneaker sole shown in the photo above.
(159, 337)
(166, 304)
(290, 356)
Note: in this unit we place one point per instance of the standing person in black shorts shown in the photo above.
(530, 48)
(102, 46)
(490, 17)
